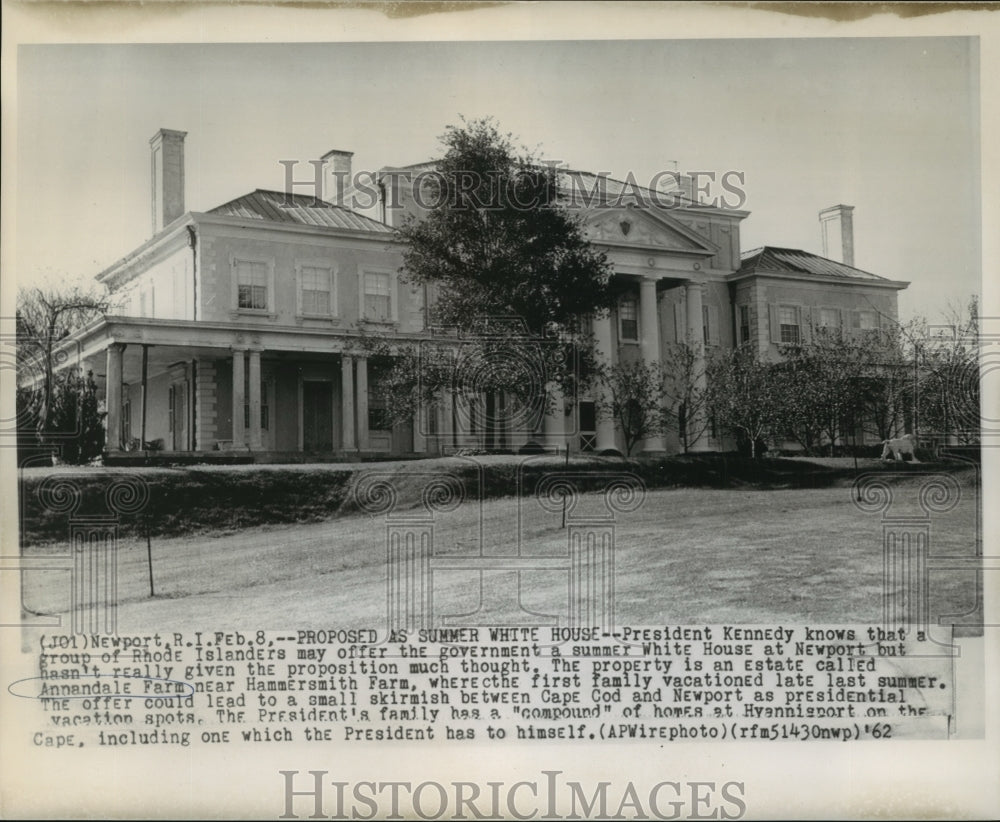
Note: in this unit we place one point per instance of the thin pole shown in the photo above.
(142, 414)
(149, 557)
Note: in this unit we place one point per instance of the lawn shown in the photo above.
(687, 555)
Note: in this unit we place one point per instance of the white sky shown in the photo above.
(886, 125)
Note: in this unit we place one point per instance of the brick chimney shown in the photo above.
(167, 164)
(837, 224)
(336, 175)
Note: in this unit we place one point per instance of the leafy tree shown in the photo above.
(500, 241)
(74, 421)
(745, 394)
(633, 397)
(508, 271)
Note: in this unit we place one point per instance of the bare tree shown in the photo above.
(45, 317)
(686, 377)
(633, 397)
(745, 394)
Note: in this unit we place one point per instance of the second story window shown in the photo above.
(315, 284)
(251, 285)
(867, 320)
(829, 318)
(788, 321)
(744, 324)
(628, 321)
(378, 296)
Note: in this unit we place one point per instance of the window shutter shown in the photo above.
(772, 311)
(678, 322)
(803, 316)
(713, 325)
(298, 289)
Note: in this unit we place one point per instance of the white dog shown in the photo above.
(898, 447)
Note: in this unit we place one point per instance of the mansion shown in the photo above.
(237, 328)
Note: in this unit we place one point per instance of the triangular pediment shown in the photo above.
(642, 228)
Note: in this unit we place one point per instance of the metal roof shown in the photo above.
(298, 209)
(769, 259)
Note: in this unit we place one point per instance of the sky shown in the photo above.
(888, 125)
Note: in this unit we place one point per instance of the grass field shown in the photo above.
(688, 555)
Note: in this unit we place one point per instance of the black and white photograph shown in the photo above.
(499, 411)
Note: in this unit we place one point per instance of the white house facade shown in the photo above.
(237, 329)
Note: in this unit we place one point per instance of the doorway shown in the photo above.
(317, 415)
(177, 416)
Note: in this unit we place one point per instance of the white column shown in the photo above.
(649, 321)
(694, 293)
(554, 423)
(362, 402)
(113, 397)
(347, 403)
(254, 384)
(605, 423)
(239, 379)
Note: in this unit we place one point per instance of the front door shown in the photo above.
(317, 416)
(178, 416)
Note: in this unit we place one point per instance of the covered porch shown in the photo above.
(238, 395)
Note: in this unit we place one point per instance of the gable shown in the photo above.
(630, 227)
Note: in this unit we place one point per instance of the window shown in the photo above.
(265, 408)
(829, 318)
(867, 320)
(126, 421)
(379, 419)
(251, 285)
(744, 324)
(378, 299)
(171, 408)
(315, 282)
(788, 322)
(628, 322)
(710, 324)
